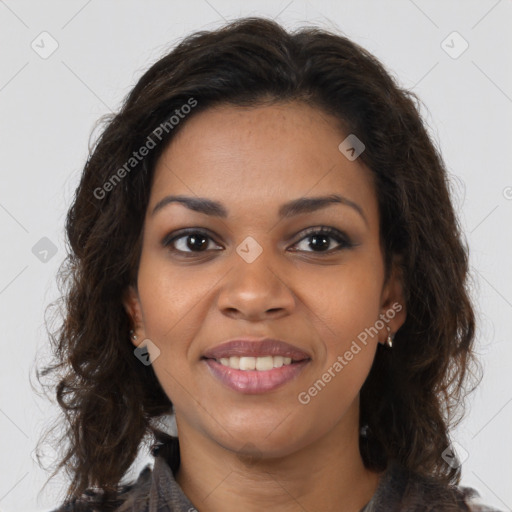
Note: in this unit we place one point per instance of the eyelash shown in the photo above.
(343, 241)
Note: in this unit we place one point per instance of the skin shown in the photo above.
(247, 452)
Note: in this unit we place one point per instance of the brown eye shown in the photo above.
(320, 240)
(188, 241)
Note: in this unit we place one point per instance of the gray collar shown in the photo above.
(156, 490)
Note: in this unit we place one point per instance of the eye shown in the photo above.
(320, 239)
(188, 241)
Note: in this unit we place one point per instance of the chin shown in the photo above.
(263, 443)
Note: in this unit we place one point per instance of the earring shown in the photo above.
(363, 431)
(389, 340)
(133, 335)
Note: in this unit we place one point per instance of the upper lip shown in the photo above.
(256, 347)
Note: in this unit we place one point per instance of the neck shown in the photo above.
(321, 476)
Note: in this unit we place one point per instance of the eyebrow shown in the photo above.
(289, 209)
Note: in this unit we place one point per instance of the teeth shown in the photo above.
(247, 363)
(264, 363)
(255, 363)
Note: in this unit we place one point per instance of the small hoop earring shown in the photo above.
(390, 338)
(364, 430)
(133, 335)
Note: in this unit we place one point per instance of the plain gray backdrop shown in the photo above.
(64, 64)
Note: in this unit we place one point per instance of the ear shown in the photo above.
(132, 306)
(393, 309)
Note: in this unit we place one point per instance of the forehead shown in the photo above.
(248, 157)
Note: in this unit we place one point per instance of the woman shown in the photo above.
(263, 244)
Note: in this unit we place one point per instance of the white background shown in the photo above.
(48, 108)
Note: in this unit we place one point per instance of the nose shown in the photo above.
(255, 291)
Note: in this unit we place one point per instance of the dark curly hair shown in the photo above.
(413, 394)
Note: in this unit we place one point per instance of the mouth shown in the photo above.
(247, 348)
(261, 364)
(255, 366)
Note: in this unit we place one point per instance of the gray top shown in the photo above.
(399, 490)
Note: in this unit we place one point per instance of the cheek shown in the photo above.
(348, 309)
(347, 300)
(348, 304)
(172, 312)
(169, 298)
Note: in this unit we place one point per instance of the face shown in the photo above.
(256, 265)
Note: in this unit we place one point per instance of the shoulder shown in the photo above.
(154, 489)
(474, 501)
(95, 501)
(407, 491)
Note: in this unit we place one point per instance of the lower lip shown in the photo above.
(254, 382)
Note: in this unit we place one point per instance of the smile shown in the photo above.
(264, 363)
(254, 374)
